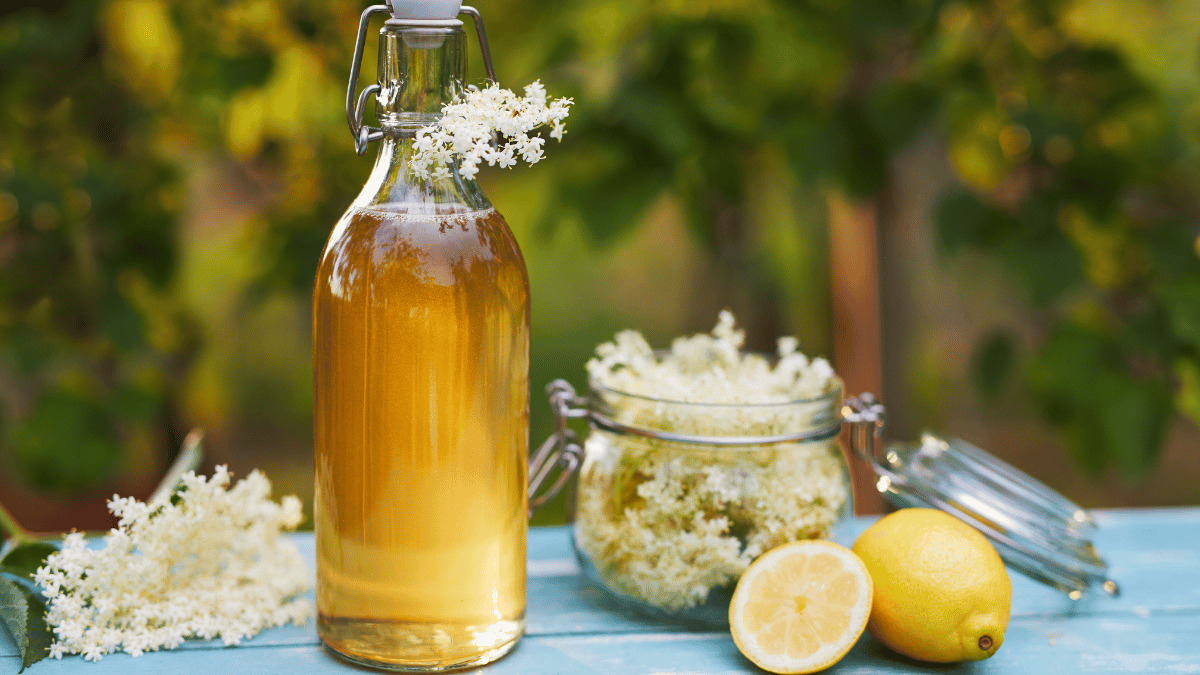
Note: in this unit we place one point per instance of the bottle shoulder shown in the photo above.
(450, 248)
(436, 226)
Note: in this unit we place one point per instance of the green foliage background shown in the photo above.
(169, 172)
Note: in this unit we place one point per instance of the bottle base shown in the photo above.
(418, 647)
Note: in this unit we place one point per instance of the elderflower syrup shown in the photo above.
(421, 369)
(701, 459)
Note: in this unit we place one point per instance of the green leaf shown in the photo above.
(1087, 446)
(1172, 246)
(1182, 300)
(898, 111)
(1063, 376)
(963, 221)
(612, 204)
(659, 120)
(1134, 420)
(865, 163)
(135, 403)
(66, 445)
(27, 348)
(231, 74)
(992, 362)
(1109, 414)
(24, 559)
(24, 616)
(1047, 267)
(1031, 245)
(122, 324)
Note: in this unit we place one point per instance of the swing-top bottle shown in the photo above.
(421, 367)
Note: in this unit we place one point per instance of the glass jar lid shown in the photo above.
(1034, 529)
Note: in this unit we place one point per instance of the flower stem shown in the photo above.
(188, 460)
(10, 528)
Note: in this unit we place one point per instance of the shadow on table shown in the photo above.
(872, 655)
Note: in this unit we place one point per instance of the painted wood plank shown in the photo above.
(1154, 555)
(1156, 644)
(1153, 644)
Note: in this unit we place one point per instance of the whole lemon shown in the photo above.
(941, 591)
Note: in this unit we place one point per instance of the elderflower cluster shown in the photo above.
(710, 368)
(670, 524)
(466, 130)
(206, 562)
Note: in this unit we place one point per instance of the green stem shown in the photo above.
(188, 460)
(10, 528)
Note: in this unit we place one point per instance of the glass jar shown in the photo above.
(674, 500)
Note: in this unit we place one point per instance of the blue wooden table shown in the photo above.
(1153, 627)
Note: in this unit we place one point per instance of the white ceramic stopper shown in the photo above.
(425, 10)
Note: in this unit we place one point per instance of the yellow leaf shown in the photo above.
(976, 151)
(244, 123)
(145, 47)
(299, 93)
(1111, 257)
(978, 164)
(1187, 399)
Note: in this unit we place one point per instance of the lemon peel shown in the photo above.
(942, 593)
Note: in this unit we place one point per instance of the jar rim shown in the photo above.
(833, 396)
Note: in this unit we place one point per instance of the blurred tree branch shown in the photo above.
(1076, 172)
(92, 350)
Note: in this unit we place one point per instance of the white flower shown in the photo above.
(206, 562)
(467, 127)
(536, 93)
(504, 157)
(710, 368)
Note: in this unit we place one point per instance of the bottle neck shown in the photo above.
(421, 69)
(393, 186)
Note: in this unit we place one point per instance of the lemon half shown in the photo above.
(800, 607)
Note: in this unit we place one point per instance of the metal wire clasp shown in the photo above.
(561, 450)
(867, 419)
(1033, 528)
(356, 101)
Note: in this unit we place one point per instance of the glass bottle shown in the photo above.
(421, 374)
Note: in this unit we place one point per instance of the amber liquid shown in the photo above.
(421, 367)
